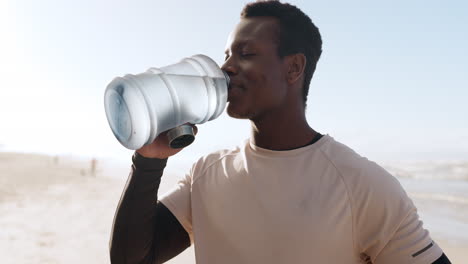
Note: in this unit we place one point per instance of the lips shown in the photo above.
(233, 84)
(234, 91)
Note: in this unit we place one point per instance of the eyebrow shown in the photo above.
(240, 45)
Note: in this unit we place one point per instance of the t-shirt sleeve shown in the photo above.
(178, 201)
(387, 228)
(411, 243)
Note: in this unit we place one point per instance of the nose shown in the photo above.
(229, 67)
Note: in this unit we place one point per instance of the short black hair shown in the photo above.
(297, 33)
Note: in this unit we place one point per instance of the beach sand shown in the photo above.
(56, 210)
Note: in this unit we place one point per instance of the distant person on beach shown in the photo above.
(288, 194)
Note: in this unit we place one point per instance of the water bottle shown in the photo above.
(140, 107)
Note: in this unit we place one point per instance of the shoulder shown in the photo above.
(373, 192)
(379, 203)
(213, 159)
(358, 173)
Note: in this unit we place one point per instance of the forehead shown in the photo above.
(258, 30)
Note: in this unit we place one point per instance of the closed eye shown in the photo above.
(248, 54)
(243, 55)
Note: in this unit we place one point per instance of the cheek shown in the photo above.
(264, 72)
(268, 86)
(254, 76)
(259, 80)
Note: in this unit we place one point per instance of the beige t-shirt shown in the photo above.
(322, 203)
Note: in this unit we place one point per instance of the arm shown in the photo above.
(145, 231)
(387, 228)
(442, 260)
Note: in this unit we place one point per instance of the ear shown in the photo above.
(296, 64)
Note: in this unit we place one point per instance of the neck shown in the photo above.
(281, 132)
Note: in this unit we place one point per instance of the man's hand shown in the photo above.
(160, 147)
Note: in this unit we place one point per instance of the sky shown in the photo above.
(392, 82)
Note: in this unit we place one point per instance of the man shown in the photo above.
(289, 194)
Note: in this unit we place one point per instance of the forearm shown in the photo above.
(442, 260)
(133, 230)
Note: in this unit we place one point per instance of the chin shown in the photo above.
(236, 113)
